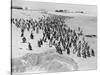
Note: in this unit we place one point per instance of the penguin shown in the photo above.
(22, 34)
(68, 51)
(92, 52)
(84, 54)
(31, 36)
(29, 46)
(78, 54)
(88, 53)
(58, 49)
(23, 40)
(39, 45)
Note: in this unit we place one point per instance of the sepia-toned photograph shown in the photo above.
(49, 37)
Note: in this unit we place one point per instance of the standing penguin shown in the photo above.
(79, 54)
(23, 40)
(22, 32)
(84, 54)
(39, 45)
(31, 36)
(68, 51)
(88, 52)
(92, 52)
(29, 46)
(58, 50)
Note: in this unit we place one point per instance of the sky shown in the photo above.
(90, 9)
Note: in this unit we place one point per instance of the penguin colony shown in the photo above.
(57, 32)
